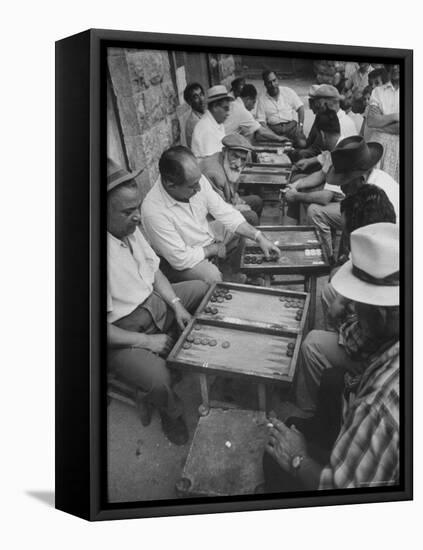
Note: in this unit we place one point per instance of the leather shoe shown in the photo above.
(175, 429)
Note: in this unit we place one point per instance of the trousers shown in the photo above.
(325, 218)
(142, 368)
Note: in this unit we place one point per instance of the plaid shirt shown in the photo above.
(357, 343)
(366, 452)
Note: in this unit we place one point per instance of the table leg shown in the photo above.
(267, 279)
(262, 397)
(204, 408)
(310, 285)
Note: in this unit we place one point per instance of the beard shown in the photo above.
(231, 173)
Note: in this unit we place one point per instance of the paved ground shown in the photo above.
(142, 464)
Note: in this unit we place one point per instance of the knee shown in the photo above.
(256, 203)
(310, 344)
(328, 294)
(211, 274)
(198, 289)
(314, 212)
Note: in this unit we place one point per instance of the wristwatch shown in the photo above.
(175, 300)
(296, 462)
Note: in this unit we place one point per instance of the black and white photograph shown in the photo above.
(253, 274)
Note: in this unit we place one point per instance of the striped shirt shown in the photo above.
(366, 452)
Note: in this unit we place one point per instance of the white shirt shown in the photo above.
(240, 120)
(386, 98)
(379, 178)
(178, 231)
(207, 136)
(281, 109)
(346, 124)
(130, 275)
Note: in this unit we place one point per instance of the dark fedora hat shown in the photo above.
(351, 158)
(116, 175)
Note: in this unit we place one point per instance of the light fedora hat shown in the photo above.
(116, 175)
(371, 276)
(215, 93)
(325, 90)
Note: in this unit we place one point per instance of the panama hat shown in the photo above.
(238, 142)
(351, 158)
(215, 93)
(116, 175)
(371, 276)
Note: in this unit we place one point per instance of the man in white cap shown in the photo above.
(223, 171)
(365, 451)
(209, 131)
(176, 217)
(143, 308)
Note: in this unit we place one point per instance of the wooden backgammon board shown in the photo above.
(255, 332)
(301, 252)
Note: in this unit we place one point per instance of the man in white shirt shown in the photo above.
(143, 308)
(209, 131)
(176, 214)
(241, 120)
(353, 165)
(279, 107)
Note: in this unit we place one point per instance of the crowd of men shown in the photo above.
(193, 220)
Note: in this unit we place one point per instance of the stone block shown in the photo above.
(156, 140)
(136, 153)
(128, 116)
(119, 74)
(154, 105)
(153, 173)
(169, 96)
(146, 67)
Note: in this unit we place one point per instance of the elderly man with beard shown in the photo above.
(177, 213)
(223, 170)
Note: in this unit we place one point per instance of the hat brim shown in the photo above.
(123, 179)
(342, 178)
(353, 288)
(219, 97)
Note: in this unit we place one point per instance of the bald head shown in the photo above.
(180, 173)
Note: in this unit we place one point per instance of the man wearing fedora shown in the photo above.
(143, 308)
(353, 165)
(365, 450)
(223, 170)
(279, 107)
(209, 131)
(176, 217)
(323, 97)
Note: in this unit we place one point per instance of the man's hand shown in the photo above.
(269, 248)
(285, 443)
(160, 344)
(181, 315)
(242, 207)
(215, 249)
(302, 164)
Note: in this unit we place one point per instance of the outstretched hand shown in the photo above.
(284, 443)
(269, 248)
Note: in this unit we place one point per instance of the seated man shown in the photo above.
(223, 171)
(209, 131)
(241, 120)
(175, 215)
(237, 85)
(279, 107)
(353, 165)
(142, 307)
(194, 96)
(365, 452)
(328, 127)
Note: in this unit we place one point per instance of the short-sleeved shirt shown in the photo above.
(178, 231)
(131, 270)
(386, 98)
(278, 110)
(207, 136)
(358, 81)
(240, 120)
(190, 124)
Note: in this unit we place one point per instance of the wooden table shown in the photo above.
(301, 254)
(256, 333)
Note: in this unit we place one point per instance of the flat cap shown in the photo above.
(236, 141)
(326, 90)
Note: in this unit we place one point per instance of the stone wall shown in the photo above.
(146, 107)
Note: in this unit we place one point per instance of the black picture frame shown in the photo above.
(81, 268)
